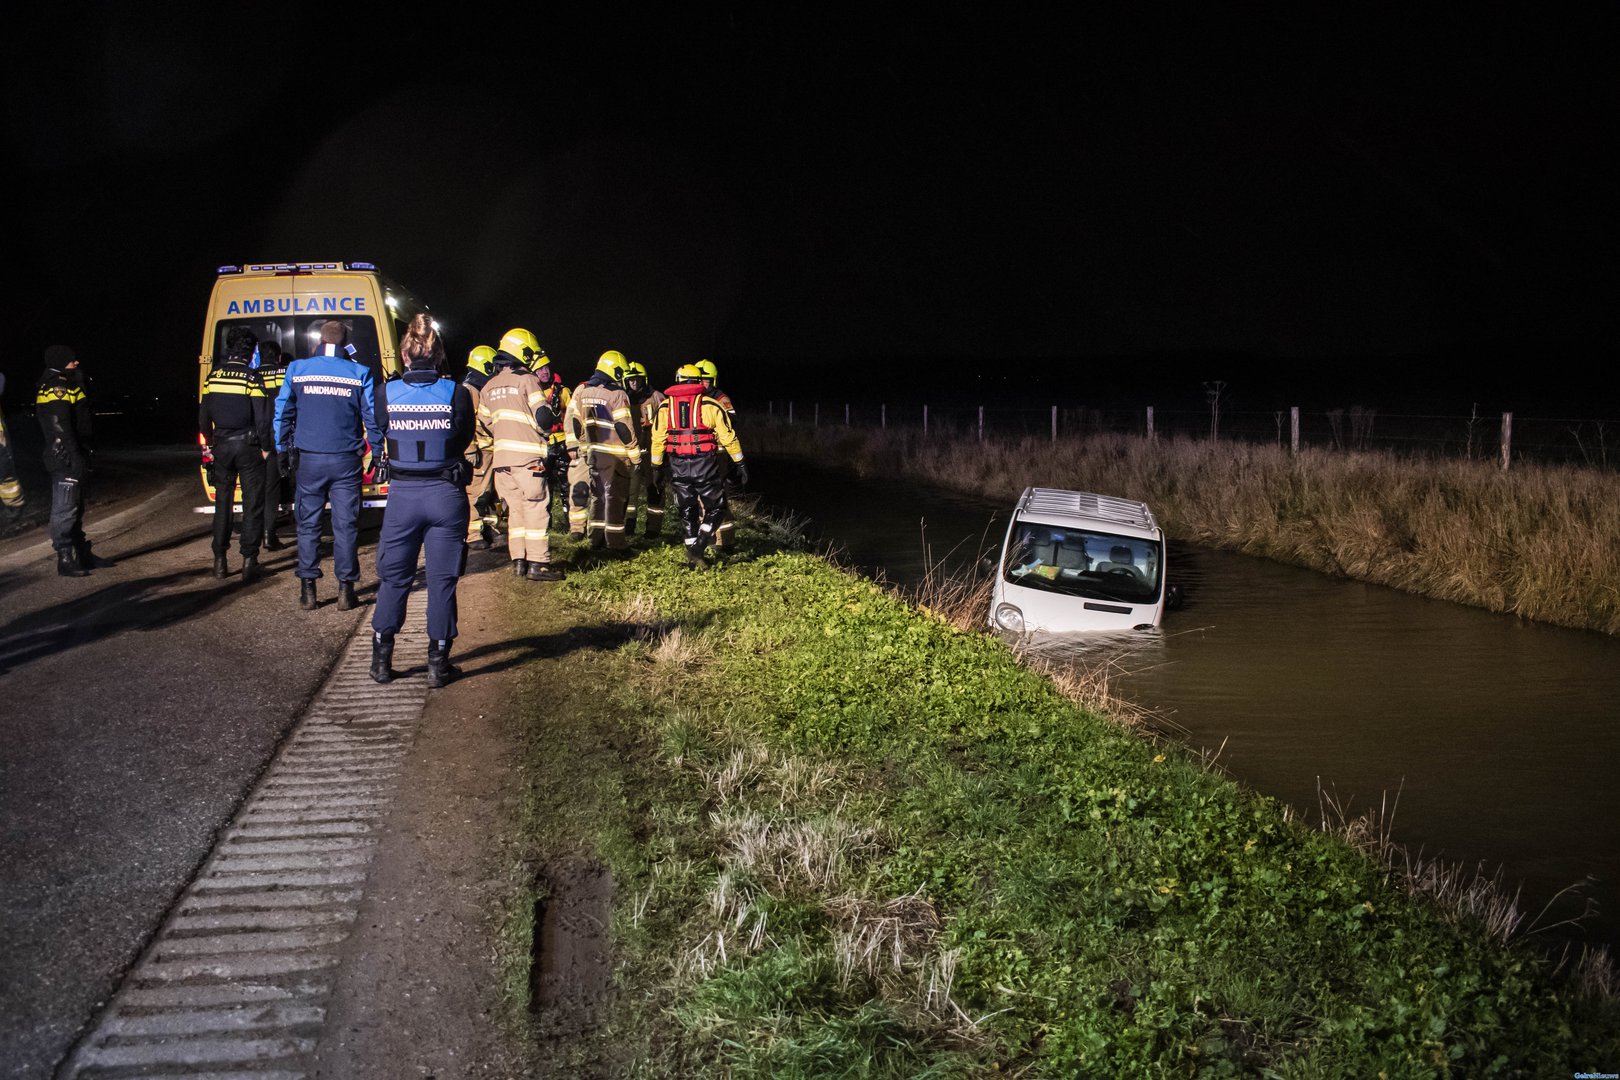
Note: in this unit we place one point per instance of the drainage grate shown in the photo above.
(236, 984)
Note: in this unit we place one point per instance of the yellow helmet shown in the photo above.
(481, 359)
(612, 364)
(521, 344)
(710, 373)
(688, 373)
(633, 369)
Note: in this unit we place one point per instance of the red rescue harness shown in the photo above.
(687, 435)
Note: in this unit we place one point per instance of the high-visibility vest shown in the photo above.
(420, 421)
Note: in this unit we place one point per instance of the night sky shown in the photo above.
(1406, 213)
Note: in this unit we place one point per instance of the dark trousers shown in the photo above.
(699, 484)
(275, 490)
(238, 461)
(67, 512)
(431, 513)
(331, 478)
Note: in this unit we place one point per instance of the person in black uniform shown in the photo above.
(427, 420)
(64, 417)
(234, 418)
(272, 369)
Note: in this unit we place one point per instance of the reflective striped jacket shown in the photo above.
(513, 406)
(234, 403)
(601, 420)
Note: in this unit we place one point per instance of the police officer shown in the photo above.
(11, 492)
(234, 418)
(515, 409)
(272, 369)
(427, 421)
(725, 536)
(64, 418)
(603, 433)
(693, 431)
(323, 410)
(644, 486)
(480, 452)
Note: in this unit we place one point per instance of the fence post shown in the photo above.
(1507, 439)
(883, 416)
(1054, 423)
(1150, 423)
(790, 412)
(846, 414)
(770, 408)
(817, 422)
(1293, 427)
(981, 423)
(925, 421)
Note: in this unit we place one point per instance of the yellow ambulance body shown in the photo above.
(287, 303)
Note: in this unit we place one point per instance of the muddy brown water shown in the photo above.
(1500, 737)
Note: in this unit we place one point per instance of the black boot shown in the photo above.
(440, 673)
(273, 542)
(382, 656)
(67, 564)
(306, 595)
(544, 571)
(89, 559)
(346, 597)
(520, 567)
(250, 569)
(221, 570)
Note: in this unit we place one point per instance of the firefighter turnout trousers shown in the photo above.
(483, 479)
(237, 459)
(610, 489)
(331, 478)
(528, 511)
(421, 512)
(645, 497)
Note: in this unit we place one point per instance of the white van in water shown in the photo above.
(1074, 560)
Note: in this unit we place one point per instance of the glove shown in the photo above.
(379, 471)
(291, 458)
(741, 473)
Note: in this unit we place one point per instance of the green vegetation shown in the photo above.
(1536, 541)
(848, 839)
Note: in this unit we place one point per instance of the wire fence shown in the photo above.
(1500, 437)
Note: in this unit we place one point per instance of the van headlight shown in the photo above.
(1009, 617)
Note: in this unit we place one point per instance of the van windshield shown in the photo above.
(300, 336)
(1080, 562)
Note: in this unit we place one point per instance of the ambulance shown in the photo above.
(287, 303)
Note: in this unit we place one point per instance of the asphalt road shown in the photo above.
(137, 706)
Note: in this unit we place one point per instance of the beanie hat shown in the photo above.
(58, 357)
(332, 333)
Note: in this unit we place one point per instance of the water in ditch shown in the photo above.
(1500, 737)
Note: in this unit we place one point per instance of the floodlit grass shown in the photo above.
(849, 838)
(1536, 541)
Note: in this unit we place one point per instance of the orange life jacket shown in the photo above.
(687, 435)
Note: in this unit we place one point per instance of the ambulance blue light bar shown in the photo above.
(228, 270)
(361, 266)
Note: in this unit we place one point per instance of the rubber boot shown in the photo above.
(440, 673)
(250, 569)
(346, 597)
(221, 569)
(544, 571)
(520, 567)
(382, 657)
(306, 595)
(67, 564)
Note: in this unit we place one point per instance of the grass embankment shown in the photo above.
(1536, 541)
(848, 839)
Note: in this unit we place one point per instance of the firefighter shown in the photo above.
(481, 452)
(711, 376)
(602, 431)
(692, 431)
(427, 421)
(323, 413)
(578, 491)
(64, 418)
(11, 492)
(272, 368)
(557, 400)
(644, 487)
(234, 417)
(514, 407)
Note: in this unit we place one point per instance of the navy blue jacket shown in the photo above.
(324, 406)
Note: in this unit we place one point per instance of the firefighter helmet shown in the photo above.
(612, 364)
(482, 359)
(521, 344)
(710, 373)
(688, 373)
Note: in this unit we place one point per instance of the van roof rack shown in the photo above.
(1086, 504)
